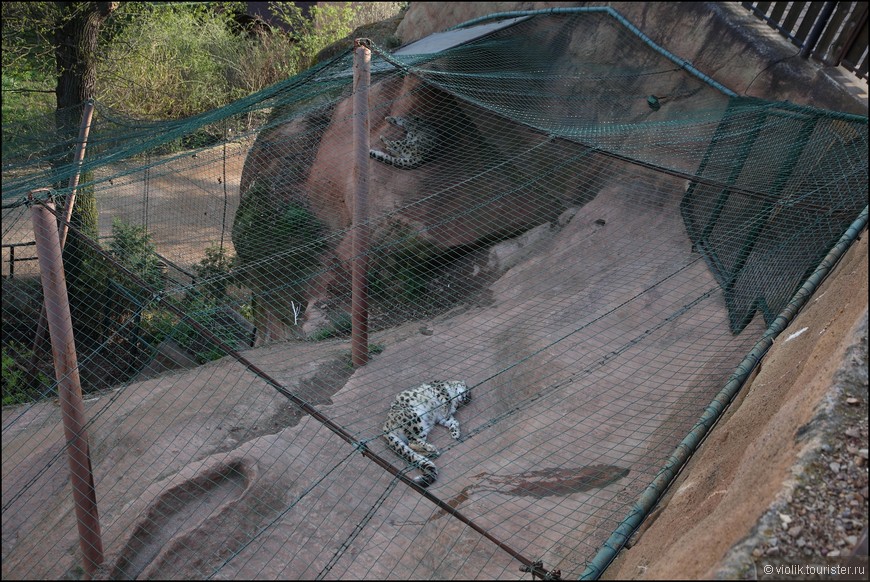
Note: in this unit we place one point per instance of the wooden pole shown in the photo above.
(84, 131)
(48, 252)
(359, 293)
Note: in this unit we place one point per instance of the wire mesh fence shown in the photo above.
(562, 216)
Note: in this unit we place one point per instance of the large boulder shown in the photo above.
(476, 187)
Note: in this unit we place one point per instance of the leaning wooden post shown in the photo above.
(78, 159)
(359, 300)
(84, 130)
(48, 252)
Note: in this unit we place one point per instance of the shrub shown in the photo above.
(133, 248)
(16, 388)
(264, 227)
(171, 62)
(403, 265)
(214, 273)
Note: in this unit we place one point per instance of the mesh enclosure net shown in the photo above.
(560, 215)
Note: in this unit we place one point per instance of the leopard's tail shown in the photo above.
(404, 163)
(430, 472)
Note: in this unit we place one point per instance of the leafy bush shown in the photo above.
(165, 60)
(214, 273)
(173, 62)
(340, 324)
(264, 227)
(133, 248)
(26, 94)
(12, 377)
(16, 388)
(325, 24)
(403, 264)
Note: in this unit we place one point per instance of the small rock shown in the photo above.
(795, 531)
(852, 432)
(862, 453)
(566, 216)
(757, 553)
(851, 540)
(785, 519)
(852, 401)
(835, 467)
(834, 554)
(774, 551)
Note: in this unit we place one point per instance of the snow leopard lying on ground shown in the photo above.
(414, 413)
(411, 151)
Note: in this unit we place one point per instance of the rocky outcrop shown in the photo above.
(473, 189)
(721, 39)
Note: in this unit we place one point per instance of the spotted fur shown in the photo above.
(411, 151)
(414, 413)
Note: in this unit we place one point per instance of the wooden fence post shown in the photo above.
(359, 292)
(48, 251)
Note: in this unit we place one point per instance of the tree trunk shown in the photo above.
(75, 38)
(76, 35)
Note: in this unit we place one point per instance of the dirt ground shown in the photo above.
(756, 455)
(188, 462)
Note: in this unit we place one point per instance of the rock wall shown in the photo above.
(721, 39)
(308, 162)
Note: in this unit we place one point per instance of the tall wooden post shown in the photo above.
(48, 252)
(84, 130)
(359, 292)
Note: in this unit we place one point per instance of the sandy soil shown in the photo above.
(756, 455)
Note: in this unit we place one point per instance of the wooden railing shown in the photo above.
(834, 33)
(12, 258)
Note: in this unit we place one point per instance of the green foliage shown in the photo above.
(170, 60)
(133, 248)
(289, 233)
(157, 324)
(325, 24)
(214, 273)
(402, 266)
(168, 63)
(160, 323)
(205, 305)
(86, 272)
(209, 316)
(25, 93)
(264, 228)
(13, 378)
(339, 324)
(28, 33)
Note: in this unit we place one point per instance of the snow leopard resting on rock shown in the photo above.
(413, 150)
(414, 413)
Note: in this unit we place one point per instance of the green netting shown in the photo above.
(574, 222)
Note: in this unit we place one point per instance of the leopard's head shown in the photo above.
(460, 391)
